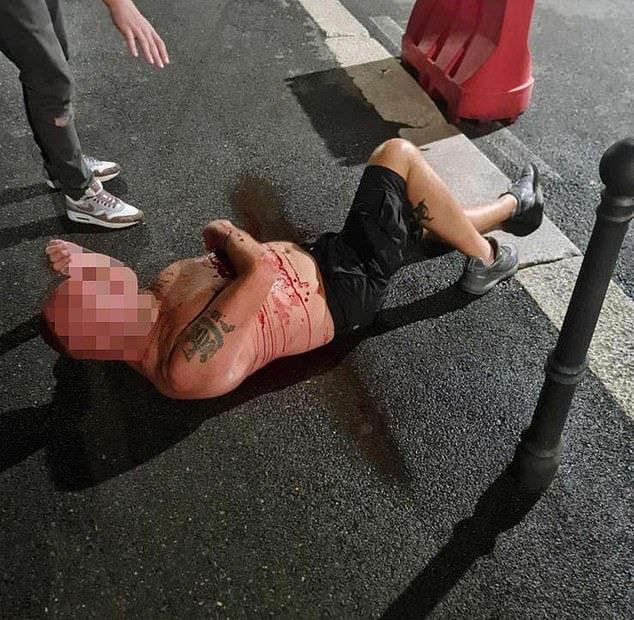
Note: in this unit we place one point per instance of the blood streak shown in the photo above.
(221, 263)
(271, 334)
(264, 321)
(296, 295)
(283, 315)
(283, 292)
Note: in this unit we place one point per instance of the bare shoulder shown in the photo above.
(168, 275)
(184, 289)
(209, 358)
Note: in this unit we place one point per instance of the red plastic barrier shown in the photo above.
(474, 54)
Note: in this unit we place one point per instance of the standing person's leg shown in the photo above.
(32, 36)
(55, 11)
(100, 169)
(29, 39)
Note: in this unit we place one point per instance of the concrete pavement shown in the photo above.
(366, 480)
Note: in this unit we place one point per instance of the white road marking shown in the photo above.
(611, 356)
(347, 39)
(611, 353)
(392, 31)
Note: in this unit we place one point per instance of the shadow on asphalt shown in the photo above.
(11, 195)
(40, 229)
(502, 506)
(20, 334)
(104, 419)
(340, 114)
(49, 227)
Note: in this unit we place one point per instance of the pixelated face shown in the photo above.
(99, 312)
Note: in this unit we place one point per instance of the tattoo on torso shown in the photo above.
(205, 337)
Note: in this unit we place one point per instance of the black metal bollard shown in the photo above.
(538, 454)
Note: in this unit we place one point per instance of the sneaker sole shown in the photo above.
(85, 218)
(489, 285)
(106, 177)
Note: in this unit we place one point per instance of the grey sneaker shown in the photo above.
(527, 216)
(99, 207)
(479, 278)
(101, 170)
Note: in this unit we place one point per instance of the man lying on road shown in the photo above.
(207, 323)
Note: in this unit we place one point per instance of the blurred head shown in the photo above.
(99, 313)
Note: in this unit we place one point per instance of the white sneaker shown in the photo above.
(99, 207)
(101, 170)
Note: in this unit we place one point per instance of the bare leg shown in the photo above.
(435, 208)
(489, 216)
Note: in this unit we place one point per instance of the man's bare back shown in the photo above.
(293, 319)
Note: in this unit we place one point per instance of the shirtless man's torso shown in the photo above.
(191, 336)
(204, 324)
(207, 323)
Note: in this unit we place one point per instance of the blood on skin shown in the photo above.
(221, 263)
(284, 316)
(296, 295)
(263, 319)
(271, 334)
(283, 291)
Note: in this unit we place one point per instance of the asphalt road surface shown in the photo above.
(365, 480)
(582, 103)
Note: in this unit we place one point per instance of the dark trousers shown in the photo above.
(32, 36)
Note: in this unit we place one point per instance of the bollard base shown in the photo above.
(533, 467)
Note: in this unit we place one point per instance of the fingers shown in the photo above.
(57, 246)
(139, 34)
(59, 263)
(153, 42)
(61, 266)
(145, 46)
(161, 49)
(59, 255)
(152, 46)
(129, 37)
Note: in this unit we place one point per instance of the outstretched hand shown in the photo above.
(60, 254)
(136, 29)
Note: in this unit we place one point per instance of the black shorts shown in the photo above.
(358, 262)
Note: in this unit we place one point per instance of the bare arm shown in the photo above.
(191, 370)
(135, 28)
